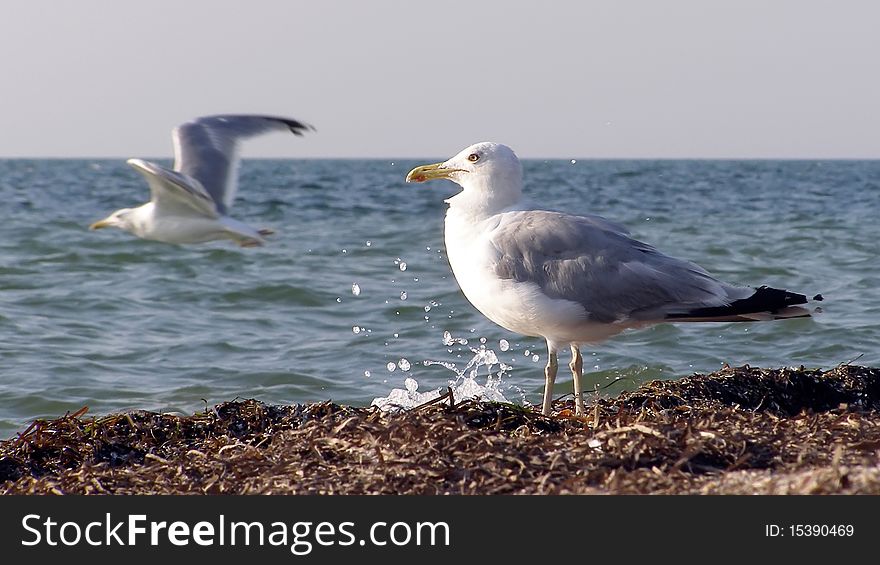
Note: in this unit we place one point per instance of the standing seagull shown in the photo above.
(190, 203)
(572, 279)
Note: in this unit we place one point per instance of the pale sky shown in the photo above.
(382, 78)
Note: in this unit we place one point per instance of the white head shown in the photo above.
(124, 219)
(490, 175)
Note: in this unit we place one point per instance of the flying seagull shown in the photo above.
(190, 204)
(573, 279)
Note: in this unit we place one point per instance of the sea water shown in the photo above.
(353, 297)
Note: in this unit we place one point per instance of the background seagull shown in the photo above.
(190, 203)
(572, 279)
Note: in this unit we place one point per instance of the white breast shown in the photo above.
(520, 307)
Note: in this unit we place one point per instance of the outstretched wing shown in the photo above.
(173, 192)
(206, 149)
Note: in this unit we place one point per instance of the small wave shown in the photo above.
(282, 293)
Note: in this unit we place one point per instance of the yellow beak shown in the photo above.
(100, 224)
(430, 172)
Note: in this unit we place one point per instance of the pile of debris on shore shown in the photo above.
(740, 430)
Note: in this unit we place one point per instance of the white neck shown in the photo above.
(479, 201)
(140, 218)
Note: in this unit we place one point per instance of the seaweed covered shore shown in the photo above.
(736, 431)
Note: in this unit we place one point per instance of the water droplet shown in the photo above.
(403, 265)
(447, 338)
(338, 299)
(411, 384)
(404, 365)
(535, 357)
(356, 329)
(573, 161)
(504, 345)
(391, 366)
(415, 279)
(482, 340)
(403, 295)
(355, 289)
(527, 353)
(427, 308)
(428, 248)
(369, 243)
(345, 250)
(396, 334)
(367, 373)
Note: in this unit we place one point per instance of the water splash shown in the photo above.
(405, 398)
(448, 340)
(355, 289)
(465, 385)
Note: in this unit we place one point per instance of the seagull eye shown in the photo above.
(473, 157)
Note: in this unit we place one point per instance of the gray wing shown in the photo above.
(173, 192)
(592, 261)
(207, 149)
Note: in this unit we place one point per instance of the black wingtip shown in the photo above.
(819, 298)
(765, 299)
(296, 127)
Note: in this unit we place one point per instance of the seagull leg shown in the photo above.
(577, 371)
(549, 379)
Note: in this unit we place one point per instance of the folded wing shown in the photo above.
(616, 278)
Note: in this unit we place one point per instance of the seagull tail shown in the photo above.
(765, 303)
